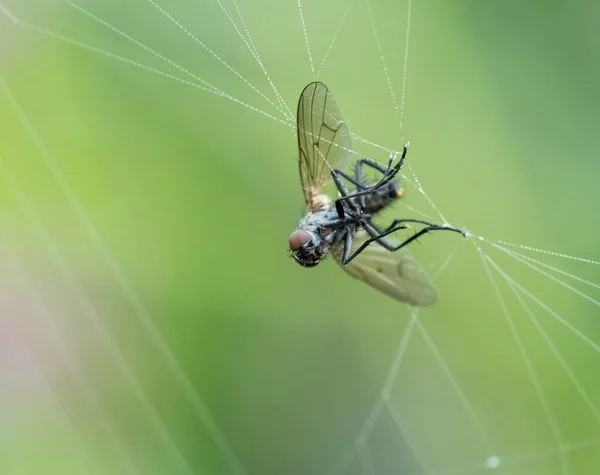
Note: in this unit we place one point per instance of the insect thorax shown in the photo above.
(323, 223)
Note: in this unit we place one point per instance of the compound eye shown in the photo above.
(298, 239)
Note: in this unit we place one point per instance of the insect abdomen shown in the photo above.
(382, 197)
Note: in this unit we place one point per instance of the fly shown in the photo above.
(344, 226)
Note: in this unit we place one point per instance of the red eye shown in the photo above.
(298, 238)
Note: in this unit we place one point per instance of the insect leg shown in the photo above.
(423, 231)
(354, 181)
(395, 169)
(375, 232)
(335, 174)
(396, 222)
(356, 194)
(396, 226)
(388, 174)
(347, 247)
(358, 173)
(370, 163)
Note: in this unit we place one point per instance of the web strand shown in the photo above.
(518, 255)
(89, 310)
(252, 47)
(49, 321)
(412, 446)
(399, 111)
(521, 291)
(384, 63)
(550, 276)
(150, 50)
(335, 35)
(208, 88)
(382, 402)
(305, 31)
(467, 405)
(214, 55)
(546, 307)
(405, 68)
(42, 389)
(143, 316)
(549, 253)
(99, 20)
(529, 365)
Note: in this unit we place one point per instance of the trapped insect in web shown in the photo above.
(344, 226)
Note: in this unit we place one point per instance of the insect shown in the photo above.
(344, 226)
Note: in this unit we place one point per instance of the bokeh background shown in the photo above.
(152, 321)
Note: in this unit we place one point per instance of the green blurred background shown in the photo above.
(188, 199)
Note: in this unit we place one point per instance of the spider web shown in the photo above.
(99, 377)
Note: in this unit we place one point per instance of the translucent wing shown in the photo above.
(323, 138)
(396, 274)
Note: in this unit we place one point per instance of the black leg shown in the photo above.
(397, 222)
(340, 209)
(374, 165)
(375, 232)
(396, 226)
(347, 246)
(391, 172)
(358, 173)
(379, 235)
(358, 170)
(396, 168)
(335, 174)
(388, 174)
(367, 191)
(369, 163)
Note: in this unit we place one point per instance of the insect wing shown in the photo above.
(396, 273)
(324, 140)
